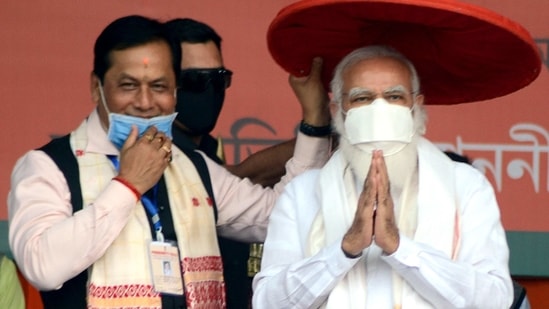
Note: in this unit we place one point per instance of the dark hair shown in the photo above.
(192, 31)
(127, 32)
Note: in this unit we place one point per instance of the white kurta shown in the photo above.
(477, 278)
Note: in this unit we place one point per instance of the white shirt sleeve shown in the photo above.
(244, 208)
(479, 277)
(50, 243)
(288, 279)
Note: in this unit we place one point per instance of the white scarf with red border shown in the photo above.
(121, 277)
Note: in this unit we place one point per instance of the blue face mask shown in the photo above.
(120, 125)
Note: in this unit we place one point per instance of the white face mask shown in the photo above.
(380, 125)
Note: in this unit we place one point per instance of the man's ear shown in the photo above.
(419, 99)
(94, 88)
(334, 107)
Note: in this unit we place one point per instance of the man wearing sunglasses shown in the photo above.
(202, 86)
(200, 97)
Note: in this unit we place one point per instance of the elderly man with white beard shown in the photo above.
(390, 221)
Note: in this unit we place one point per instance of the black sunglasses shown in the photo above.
(198, 80)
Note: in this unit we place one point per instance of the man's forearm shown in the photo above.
(267, 166)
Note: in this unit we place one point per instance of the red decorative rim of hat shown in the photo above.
(462, 52)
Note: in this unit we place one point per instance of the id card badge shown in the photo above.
(165, 268)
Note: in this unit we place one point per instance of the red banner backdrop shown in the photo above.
(47, 59)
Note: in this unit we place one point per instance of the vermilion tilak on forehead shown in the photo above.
(146, 62)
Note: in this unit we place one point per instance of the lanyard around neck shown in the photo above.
(149, 200)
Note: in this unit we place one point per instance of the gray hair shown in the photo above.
(365, 53)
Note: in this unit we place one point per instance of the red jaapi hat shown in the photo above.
(462, 52)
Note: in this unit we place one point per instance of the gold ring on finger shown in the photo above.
(166, 149)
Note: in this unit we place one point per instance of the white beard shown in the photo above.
(400, 166)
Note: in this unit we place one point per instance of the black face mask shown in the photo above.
(198, 112)
(200, 98)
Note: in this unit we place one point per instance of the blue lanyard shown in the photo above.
(149, 201)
